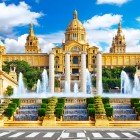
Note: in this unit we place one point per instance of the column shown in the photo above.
(51, 72)
(0, 61)
(83, 72)
(99, 73)
(67, 70)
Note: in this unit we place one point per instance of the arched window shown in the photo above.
(75, 60)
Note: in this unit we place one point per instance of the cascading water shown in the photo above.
(21, 88)
(66, 88)
(88, 82)
(39, 88)
(126, 86)
(76, 90)
(44, 81)
(136, 84)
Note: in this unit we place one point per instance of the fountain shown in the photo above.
(136, 84)
(38, 89)
(126, 86)
(88, 82)
(45, 81)
(75, 88)
(21, 88)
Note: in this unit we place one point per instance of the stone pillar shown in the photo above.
(67, 70)
(99, 73)
(51, 72)
(83, 72)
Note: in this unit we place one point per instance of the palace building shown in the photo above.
(75, 43)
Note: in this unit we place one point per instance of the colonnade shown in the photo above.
(82, 72)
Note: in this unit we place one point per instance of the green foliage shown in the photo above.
(31, 75)
(41, 112)
(90, 100)
(60, 105)
(105, 100)
(106, 105)
(109, 111)
(57, 83)
(131, 70)
(91, 111)
(9, 112)
(45, 101)
(43, 105)
(90, 105)
(12, 105)
(17, 101)
(136, 105)
(61, 100)
(59, 112)
(9, 91)
(134, 100)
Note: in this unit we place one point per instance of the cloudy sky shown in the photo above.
(51, 18)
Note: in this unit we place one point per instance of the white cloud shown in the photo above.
(116, 2)
(16, 15)
(46, 42)
(104, 21)
(138, 19)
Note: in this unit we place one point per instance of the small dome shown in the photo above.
(75, 23)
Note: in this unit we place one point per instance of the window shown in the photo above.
(82, 36)
(75, 60)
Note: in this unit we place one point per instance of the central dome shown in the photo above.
(75, 23)
(75, 31)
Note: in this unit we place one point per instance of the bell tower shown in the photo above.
(118, 42)
(32, 44)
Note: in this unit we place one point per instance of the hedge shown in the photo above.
(91, 112)
(12, 105)
(9, 112)
(60, 105)
(136, 105)
(59, 112)
(45, 101)
(17, 101)
(61, 100)
(90, 105)
(138, 110)
(106, 105)
(134, 100)
(109, 111)
(90, 100)
(105, 100)
(44, 105)
(41, 112)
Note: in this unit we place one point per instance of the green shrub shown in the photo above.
(45, 101)
(106, 105)
(9, 91)
(136, 105)
(43, 105)
(90, 105)
(109, 111)
(12, 105)
(91, 111)
(134, 100)
(105, 100)
(59, 112)
(90, 100)
(61, 100)
(9, 112)
(41, 112)
(60, 105)
(17, 101)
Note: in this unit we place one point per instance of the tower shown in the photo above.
(32, 44)
(2, 48)
(75, 30)
(12, 72)
(118, 42)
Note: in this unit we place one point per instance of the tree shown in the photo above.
(30, 74)
(9, 91)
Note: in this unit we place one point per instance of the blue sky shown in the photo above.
(51, 17)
